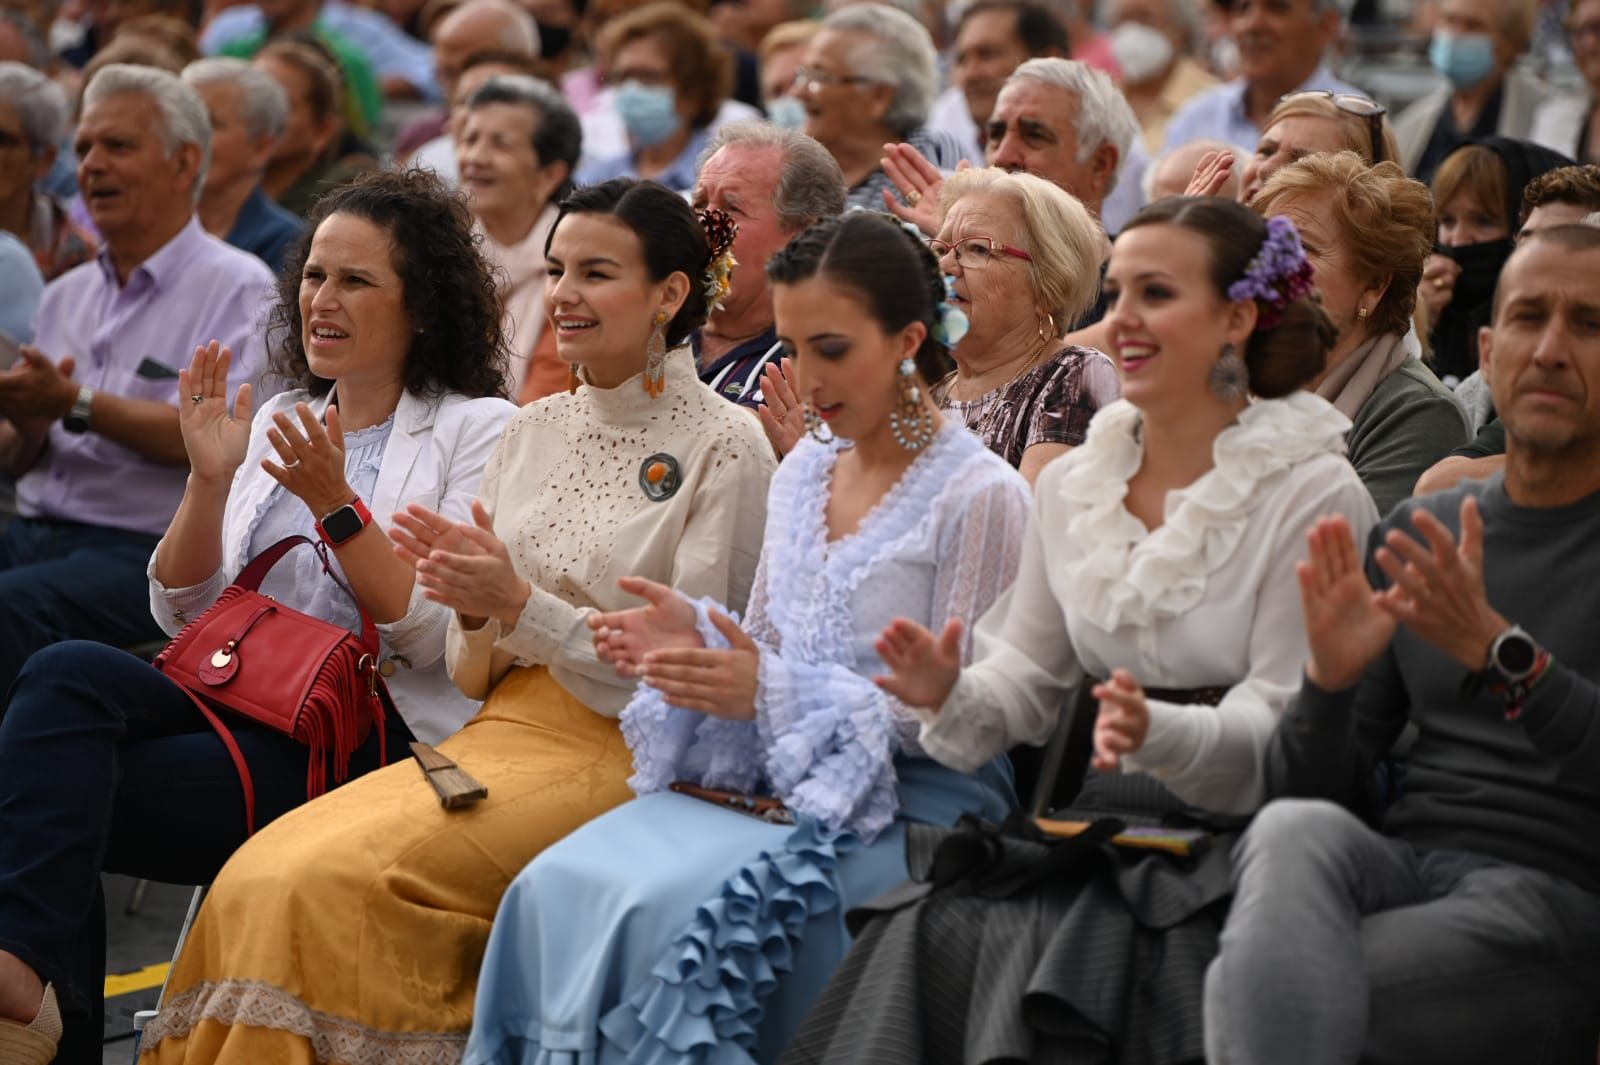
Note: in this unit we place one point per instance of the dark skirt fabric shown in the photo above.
(1008, 947)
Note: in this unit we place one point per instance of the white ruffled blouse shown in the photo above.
(1209, 599)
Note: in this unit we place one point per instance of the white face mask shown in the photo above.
(1141, 52)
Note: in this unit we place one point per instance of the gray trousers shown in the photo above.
(1345, 946)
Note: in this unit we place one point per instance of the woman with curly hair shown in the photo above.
(351, 930)
(395, 364)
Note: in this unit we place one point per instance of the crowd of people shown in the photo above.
(1015, 530)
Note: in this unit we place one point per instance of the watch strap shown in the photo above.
(356, 507)
(82, 407)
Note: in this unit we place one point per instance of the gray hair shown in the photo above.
(32, 39)
(183, 114)
(39, 102)
(901, 55)
(559, 136)
(1104, 116)
(263, 104)
(810, 183)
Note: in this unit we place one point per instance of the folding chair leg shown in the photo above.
(183, 935)
(136, 897)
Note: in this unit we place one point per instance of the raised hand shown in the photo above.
(1437, 590)
(721, 683)
(1438, 288)
(466, 567)
(312, 459)
(1211, 173)
(624, 637)
(918, 181)
(1123, 721)
(923, 668)
(782, 413)
(215, 437)
(1346, 624)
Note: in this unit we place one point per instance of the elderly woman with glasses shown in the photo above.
(33, 113)
(1570, 124)
(1022, 261)
(868, 79)
(1367, 231)
(1302, 124)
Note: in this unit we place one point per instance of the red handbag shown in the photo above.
(309, 679)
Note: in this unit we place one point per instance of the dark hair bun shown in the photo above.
(895, 274)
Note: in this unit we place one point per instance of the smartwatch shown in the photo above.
(344, 524)
(1516, 662)
(77, 419)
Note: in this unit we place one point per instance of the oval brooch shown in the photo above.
(660, 477)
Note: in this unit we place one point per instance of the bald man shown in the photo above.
(475, 28)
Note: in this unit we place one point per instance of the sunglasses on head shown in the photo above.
(1351, 104)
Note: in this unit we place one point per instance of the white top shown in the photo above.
(567, 491)
(1209, 599)
(943, 542)
(521, 270)
(435, 455)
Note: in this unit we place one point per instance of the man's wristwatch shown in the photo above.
(344, 524)
(77, 419)
(1515, 664)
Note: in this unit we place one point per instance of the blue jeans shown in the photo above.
(1344, 945)
(106, 764)
(66, 581)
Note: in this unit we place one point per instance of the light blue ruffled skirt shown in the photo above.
(672, 930)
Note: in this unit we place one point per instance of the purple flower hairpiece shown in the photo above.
(1278, 274)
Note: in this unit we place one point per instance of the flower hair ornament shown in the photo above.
(1278, 274)
(718, 276)
(950, 322)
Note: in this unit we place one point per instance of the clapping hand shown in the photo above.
(781, 412)
(1123, 721)
(624, 638)
(37, 390)
(1438, 288)
(215, 439)
(918, 181)
(1437, 590)
(463, 566)
(1211, 174)
(1347, 625)
(310, 459)
(721, 682)
(923, 668)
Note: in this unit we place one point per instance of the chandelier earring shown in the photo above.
(910, 421)
(573, 380)
(1229, 379)
(816, 428)
(655, 355)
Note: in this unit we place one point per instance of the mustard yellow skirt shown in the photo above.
(351, 930)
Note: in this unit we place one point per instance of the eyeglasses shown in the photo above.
(815, 80)
(1351, 104)
(974, 253)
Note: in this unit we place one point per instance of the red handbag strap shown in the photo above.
(252, 575)
(239, 764)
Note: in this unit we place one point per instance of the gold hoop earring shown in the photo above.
(1047, 337)
(655, 355)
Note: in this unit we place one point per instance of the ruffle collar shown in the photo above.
(1123, 574)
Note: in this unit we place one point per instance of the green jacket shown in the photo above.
(363, 100)
(1410, 422)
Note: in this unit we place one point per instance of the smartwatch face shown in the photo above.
(342, 524)
(1516, 655)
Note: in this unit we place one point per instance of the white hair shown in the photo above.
(183, 114)
(901, 54)
(40, 104)
(1104, 116)
(810, 186)
(263, 104)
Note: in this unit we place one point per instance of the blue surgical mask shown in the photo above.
(786, 111)
(1465, 58)
(649, 112)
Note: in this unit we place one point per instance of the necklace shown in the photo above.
(994, 404)
(947, 384)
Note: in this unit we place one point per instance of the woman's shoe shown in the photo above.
(33, 1044)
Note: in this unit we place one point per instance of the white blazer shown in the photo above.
(435, 456)
(1519, 99)
(1559, 121)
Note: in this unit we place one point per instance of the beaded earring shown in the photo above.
(572, 378)
(911, 422)
(816, 428)
(1229, 379)
(655, 355)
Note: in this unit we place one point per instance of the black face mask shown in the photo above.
(1480, 270)
(554, 40)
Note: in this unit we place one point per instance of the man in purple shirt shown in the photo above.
(88, 417)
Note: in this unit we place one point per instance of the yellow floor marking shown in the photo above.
(138, 980)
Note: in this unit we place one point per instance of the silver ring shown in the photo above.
(291, 465)
(197, 399)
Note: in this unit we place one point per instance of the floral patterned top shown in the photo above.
(1049, 404)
